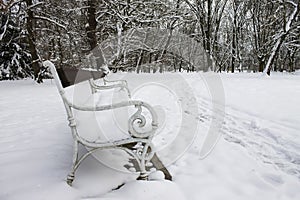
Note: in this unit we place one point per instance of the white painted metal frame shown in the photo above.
(108, 84)
(142, 153)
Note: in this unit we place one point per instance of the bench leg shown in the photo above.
(143, 176)
(71, 175)
(143, 171)
(157, 163)
(70, 178)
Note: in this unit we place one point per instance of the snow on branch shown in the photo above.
(293, 3)
(283, 34)
(35, 5)
(4, 29)
(52, 21)
(5, 5)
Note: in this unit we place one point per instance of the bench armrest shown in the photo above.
(137, 119)
(114, 84)
(115, 81)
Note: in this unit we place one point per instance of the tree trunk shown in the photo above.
(92, 24)
(32, 45)
(139, 61)
(233, 47)
(261, 64)
(141, 54)
(273, 55)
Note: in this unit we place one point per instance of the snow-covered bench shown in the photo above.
(97, 123)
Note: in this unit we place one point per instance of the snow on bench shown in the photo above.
(103, 117)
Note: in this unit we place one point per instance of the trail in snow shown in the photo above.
(266, 144)
(266, 140)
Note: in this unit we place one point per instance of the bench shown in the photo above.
(88, 106)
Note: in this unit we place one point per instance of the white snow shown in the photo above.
(257, 156)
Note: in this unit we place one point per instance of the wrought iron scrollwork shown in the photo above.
(138, 121)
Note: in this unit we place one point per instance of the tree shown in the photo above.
(14, 57)
(260, 35)
(284, 32)
(30, 23)
(208, 14)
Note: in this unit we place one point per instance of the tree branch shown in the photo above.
(52, 21)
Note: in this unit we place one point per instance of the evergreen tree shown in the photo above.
(14, 59)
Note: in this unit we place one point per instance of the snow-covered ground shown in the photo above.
(256, 157)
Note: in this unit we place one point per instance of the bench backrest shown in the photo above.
(74, 83)
(54, 73)
(91, 125)
(78, 94)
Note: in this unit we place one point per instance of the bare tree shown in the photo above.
(284, 32)
(209, 14)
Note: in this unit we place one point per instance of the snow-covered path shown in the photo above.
(266, 140)
(268, 145)
(265, 121)
(257, 156)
